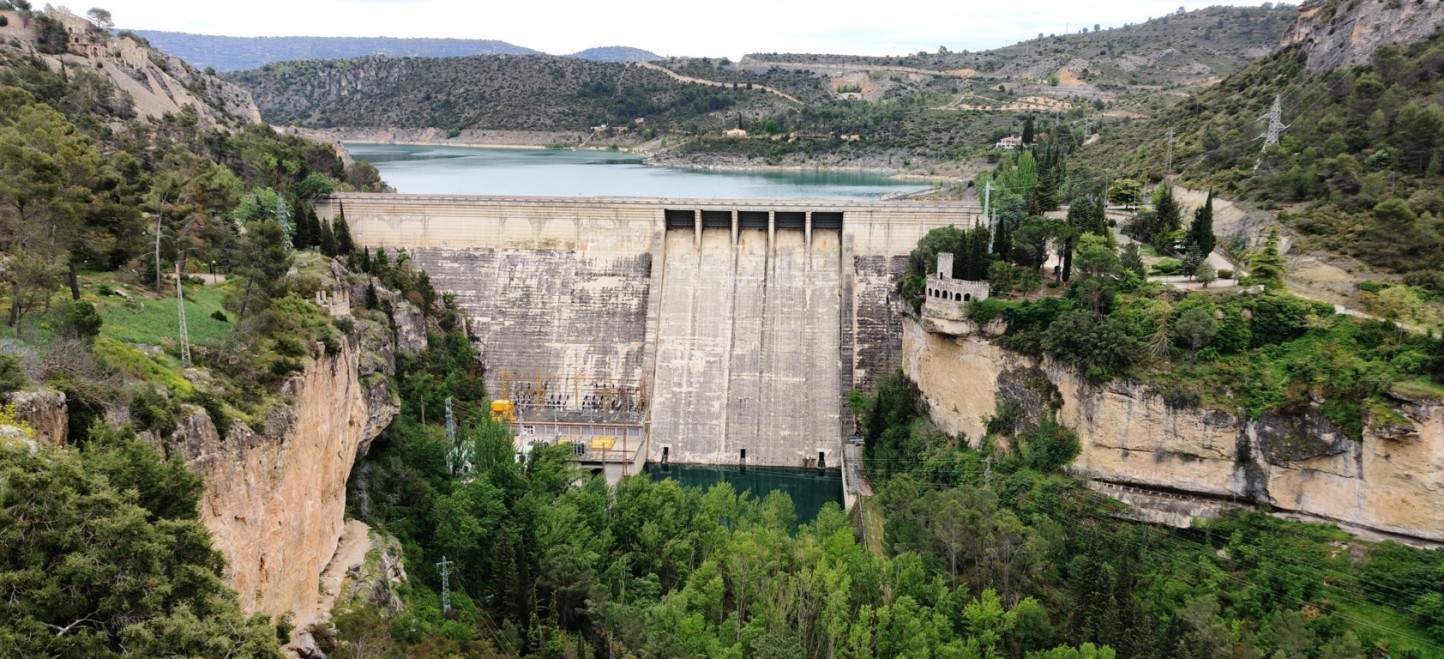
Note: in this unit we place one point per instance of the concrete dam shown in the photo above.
(699, 331)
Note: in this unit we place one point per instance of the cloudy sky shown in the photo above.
(669, 27)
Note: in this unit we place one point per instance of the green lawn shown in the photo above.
(146, 318)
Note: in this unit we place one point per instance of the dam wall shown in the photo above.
(721, 324)
(748, 361)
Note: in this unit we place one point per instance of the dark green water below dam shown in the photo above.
(809, 488)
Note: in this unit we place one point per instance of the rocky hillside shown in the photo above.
(224, 53)
(1357, 170)
(134, 79)
(1334, 33)
(1183, 48)
(499, 92)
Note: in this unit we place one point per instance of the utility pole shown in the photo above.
(283, 218)
(180, 303)
(1170, 150)
(445, 566)
(987, 198)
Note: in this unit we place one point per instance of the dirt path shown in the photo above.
(853, 67)
(713, 83)
(350, 553)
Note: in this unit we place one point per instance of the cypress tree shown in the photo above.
(365, 261)
(344, 244)
(1002, 238)
(1028, 130)
(1200, 233)
(328, 241)
(303, 237)
(977, 265)
(1166, 217)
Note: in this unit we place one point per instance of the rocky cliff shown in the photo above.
(1392, 481)
(1337, 33)
(145, 81)
(275, 500)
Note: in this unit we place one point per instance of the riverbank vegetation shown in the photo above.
(1001, 514)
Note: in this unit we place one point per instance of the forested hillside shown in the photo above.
(538, 92)
(905, 112)
(1357, 170)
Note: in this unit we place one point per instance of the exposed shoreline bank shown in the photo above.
(650, 155)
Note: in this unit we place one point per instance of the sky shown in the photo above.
(668, 27)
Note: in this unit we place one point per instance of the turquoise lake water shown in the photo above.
(566, 173)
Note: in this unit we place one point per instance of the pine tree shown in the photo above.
(1200, 233)
(1133, 261)
(1268, 266)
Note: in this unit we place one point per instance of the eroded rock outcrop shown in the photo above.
(44, 412)
(1336, 33)
(1391, 481)
(275, 500)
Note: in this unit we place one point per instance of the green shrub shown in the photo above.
(1225, 273)
(12, 375)
(220, 315)
(1167, 267)
(1050, 446)
(75, 320)
(152, 411)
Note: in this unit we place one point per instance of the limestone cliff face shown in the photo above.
(1337, 33)
(275, 501)
(1392, 481)
(44, 411)
(148, 83)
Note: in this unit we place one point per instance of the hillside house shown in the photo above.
(1010, 143)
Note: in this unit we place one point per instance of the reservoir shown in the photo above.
(566, 173)
(809, 488)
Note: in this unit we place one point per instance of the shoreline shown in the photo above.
(648, 157)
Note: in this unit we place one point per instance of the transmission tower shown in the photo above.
(180, 303)
(284, 218)
(445, 566)
(1276, 124)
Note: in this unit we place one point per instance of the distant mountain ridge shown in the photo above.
(616, 54)
(225, 53)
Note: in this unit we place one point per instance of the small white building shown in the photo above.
(1010, 143)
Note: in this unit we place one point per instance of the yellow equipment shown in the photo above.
(604, 443)
(503, 410)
